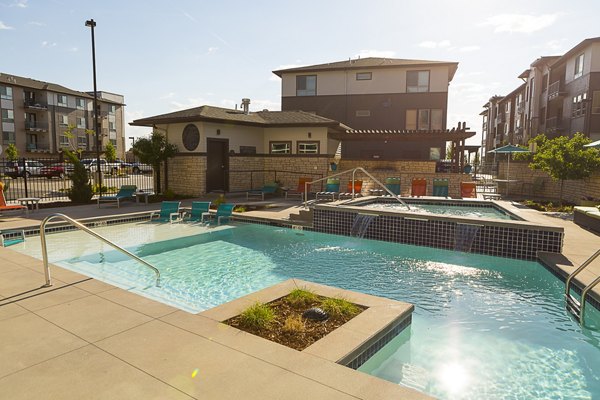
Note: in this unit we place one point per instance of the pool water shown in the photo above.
(455, 210)
(483, 327)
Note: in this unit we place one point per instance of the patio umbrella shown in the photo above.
(508, 149)
(595, 144)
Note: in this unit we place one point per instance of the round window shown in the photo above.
(190, 137)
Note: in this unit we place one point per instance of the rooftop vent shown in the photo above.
(246, 105)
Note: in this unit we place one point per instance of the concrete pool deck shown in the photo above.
(83, 338)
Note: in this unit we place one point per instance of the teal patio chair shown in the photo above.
(198, 211)
(268, 188)
(126, 192)
(224, 212)
(440, 187)
(332, 188)
(169, 211)
(393, 185)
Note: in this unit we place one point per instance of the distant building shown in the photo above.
(560, 96)
(36, 114)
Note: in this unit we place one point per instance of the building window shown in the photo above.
(280, 147)
(81, 122)
(8, 115)
(307, 148)
(114, 142)
(111, 126)
(112, 109)
(6, 93)
(417, 81)
(62, 100)
(306, 85)
(247, 149)
(579, 105)
(363, 113)
(63, 141)
(364, 76)
(596, 102)
(578, 66)
(437, 119)
(424, 119)
(8, 137)
(63, 120)
(435, 153)
(80, 104)
(81, 141)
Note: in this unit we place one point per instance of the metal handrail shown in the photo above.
(91, 232)
(585, 289)
(353, 170)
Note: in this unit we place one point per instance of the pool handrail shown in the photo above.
(570, 300)
(91, 232)
(353, 170)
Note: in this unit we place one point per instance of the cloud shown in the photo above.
(190, 103)
(520, 23)
(169, 95)
(3, 26)
(557, 45)
(430, 44)
(375, 53)
(47, 45)
(190, 17)
(36, 23)
(20, 4)
(212, 50)
(73, 49)
(466, 49)
(135, 131)
(255, 104)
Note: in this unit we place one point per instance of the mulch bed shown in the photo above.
(314, 330)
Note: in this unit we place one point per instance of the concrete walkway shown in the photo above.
(83, 338)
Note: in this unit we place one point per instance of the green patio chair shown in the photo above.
(224, 211)
(126, 192)
(268, 188)
(198, 211)
(332, 188)
(440, 187)
(169, 211)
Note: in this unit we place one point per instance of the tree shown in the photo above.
(565, 158)
(81, 189)
(449, 152)
(11, 152)
(154, 150)
(110, 153)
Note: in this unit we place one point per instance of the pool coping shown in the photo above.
(351, 344)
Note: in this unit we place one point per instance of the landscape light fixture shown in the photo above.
(92, 24)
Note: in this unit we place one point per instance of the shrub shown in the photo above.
(301, 297)
(169, 194)
(339, 307)
(219, 200)
(81, 190)
(258, 316)
(294, 324)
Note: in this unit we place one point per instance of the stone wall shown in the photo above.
(187, 175)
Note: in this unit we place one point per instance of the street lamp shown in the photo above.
(132, 138)
(92, 24)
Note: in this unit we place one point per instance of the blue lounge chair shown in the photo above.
(169, 211)
(198, 211)
(126, 192)
(269, 188)
(223, 212)
(440, 187)
(393, 185)
(332, 188)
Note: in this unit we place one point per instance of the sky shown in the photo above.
(165, 56)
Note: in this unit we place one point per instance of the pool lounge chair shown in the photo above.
(269, 188)
(468, 190)
(198, 211)
(169, 211)
(224, 212)
(332, 188)
(300, 190)
(5, 207)
(440, 187)
(418, 187)
(393, 185)
(357, 190)
(126, 192)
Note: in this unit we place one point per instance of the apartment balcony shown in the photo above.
(36, 148)
(36, 126)
(500, 118)
(521, 108)
(35, 105)
(556, 91)
(554, 124)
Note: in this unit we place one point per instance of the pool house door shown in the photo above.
(217, 164)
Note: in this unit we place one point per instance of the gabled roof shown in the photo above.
(40, 85)
(583, 44)
(225, 115)
(370, 63)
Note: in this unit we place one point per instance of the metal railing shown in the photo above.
(91, 232)
(397, 197)
(579, 309)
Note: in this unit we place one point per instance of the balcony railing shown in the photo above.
(554, 124)
(556, 90)
(36, 126)
(35, 104)
(36, 148)
(500, 118)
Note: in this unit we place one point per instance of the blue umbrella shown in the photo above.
(508, 149)
(595, 144)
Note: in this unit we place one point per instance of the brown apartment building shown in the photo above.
(560, 95)
(376, 94)
(36, 114)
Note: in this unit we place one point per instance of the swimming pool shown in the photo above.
(483, 327)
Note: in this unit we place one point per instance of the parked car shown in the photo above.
(14, 169)
(139, 168)
(91, 165)
(57, 170)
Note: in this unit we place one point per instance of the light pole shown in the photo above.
(92, 24)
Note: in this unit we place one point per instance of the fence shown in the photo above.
(49, 180)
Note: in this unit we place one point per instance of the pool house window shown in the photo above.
(280, 147)
(306, 85)
(417, 81)
(311, 147)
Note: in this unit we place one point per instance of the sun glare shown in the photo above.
(453, 378)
